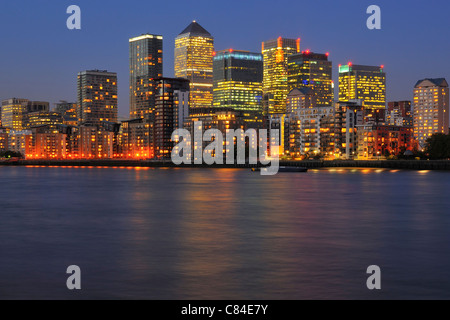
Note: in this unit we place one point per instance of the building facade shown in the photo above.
(46, 145)
(172, 109)
(367, 83)
(312, 70)
(310, 126)
(138, 138)
(222, 119)
(3, 140)
(97, 97)
(275, 81)
(399, 113)
(381, 141)
(40, 118)
(146, 64)
(13, 113)
(194, 48)
(68, 111)
(238, 77)
(348, 116)
(431, 109)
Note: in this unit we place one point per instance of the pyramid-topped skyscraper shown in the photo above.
(194, 48)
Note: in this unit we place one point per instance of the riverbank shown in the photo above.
(388, 164)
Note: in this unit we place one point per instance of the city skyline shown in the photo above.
(366, 47)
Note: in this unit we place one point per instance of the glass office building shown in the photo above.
(194, 48)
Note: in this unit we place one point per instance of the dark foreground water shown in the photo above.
(223, 234)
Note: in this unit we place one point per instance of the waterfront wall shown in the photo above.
(390, 164)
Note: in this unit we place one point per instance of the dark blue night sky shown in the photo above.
(40, 57)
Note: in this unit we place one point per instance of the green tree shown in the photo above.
(437, 146)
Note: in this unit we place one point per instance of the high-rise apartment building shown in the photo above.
(431, 108)
(172, 108)
(275, 82)
(194, 48)
(146, 64)
(97, 97)
(367, 83)
(312, 70)
(238, 77)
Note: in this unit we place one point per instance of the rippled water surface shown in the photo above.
(223, 234)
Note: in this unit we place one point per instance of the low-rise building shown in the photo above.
(381, 141)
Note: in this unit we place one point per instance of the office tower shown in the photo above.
(97, 97)
(399, 113)
(13, 113)
(363, 82)
(238, 79)
(146, 64)
(194, 48)
(275, 84)
(431, 108)
(312, 70)
(172, 108)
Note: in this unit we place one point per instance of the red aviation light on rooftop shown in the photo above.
(214, 53)
(280, 42)
(382, 66)
(350, 64)
(231, 50)
(327, 54)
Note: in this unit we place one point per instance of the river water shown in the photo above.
(140, 233)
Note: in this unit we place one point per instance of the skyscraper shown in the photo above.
(367, 83)
(238, 77)
(97, 97)
(431, 108)
(146, 64)
(194, 48)
(312, 70)
(275, 83)
(172, 108)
